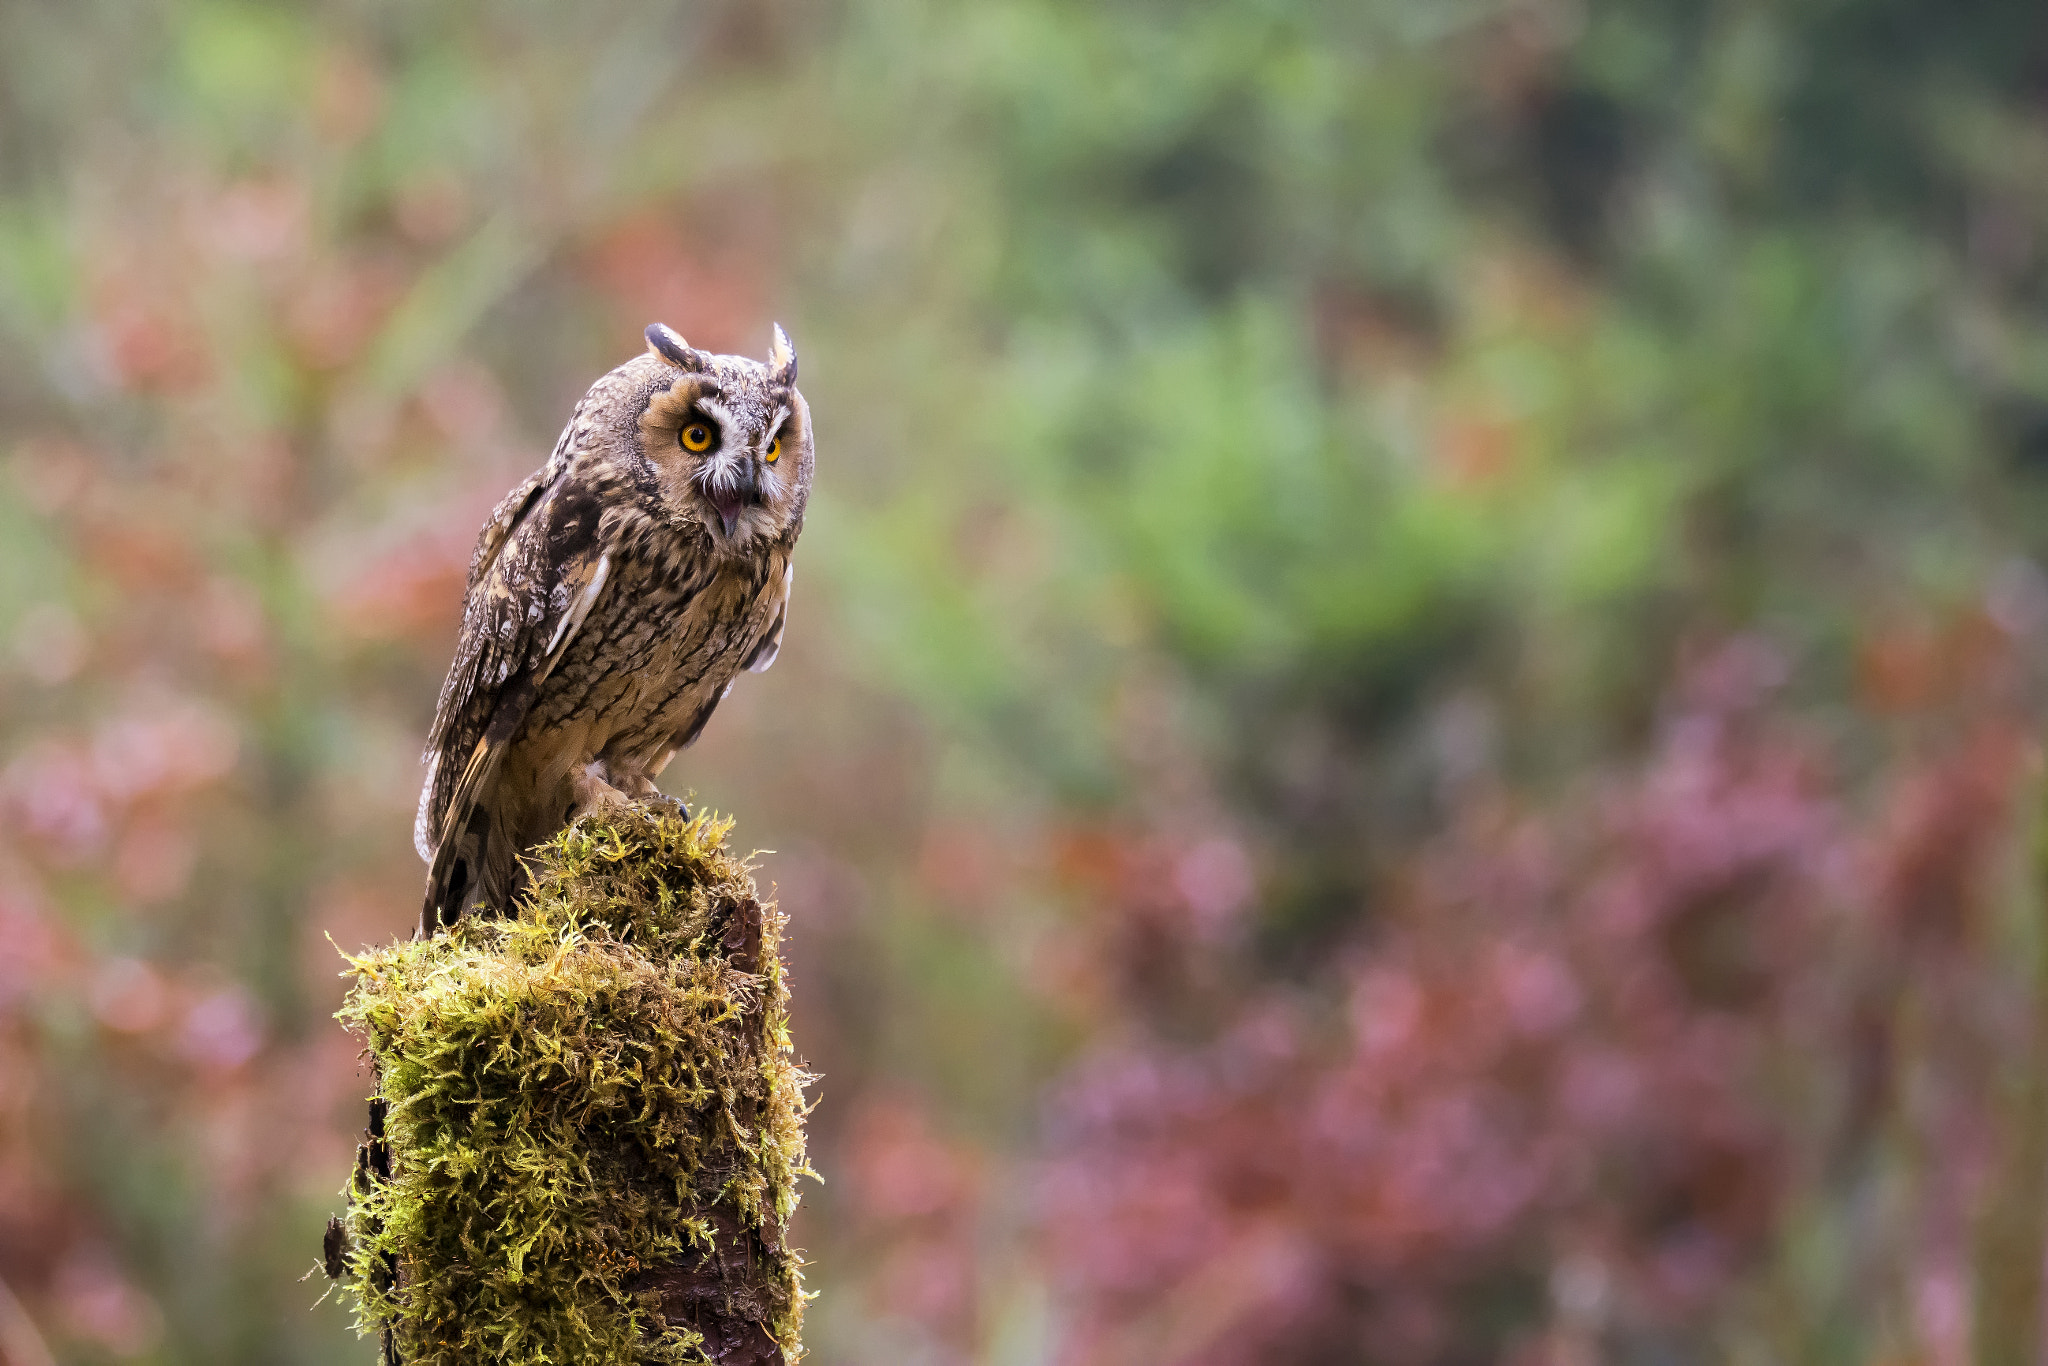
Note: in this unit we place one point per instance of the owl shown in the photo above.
(613, 597)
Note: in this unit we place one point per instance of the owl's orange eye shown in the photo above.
(696, 437)
(774, 451)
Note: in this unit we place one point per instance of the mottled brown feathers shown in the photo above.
(611, 600)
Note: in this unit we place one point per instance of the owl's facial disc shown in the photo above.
(729, 448)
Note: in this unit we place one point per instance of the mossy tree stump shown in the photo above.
(589, 1122)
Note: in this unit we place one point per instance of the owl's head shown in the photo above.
(728, 438)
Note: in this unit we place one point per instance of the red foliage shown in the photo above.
(715, 279)
(1583, 1059)
(915, 1198)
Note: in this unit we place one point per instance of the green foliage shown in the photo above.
(596, 1089)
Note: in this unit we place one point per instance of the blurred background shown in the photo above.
(1409, 728)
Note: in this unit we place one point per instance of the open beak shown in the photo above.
(730, 488)
(729, 508)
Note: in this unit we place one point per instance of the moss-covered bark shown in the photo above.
(589, 1123)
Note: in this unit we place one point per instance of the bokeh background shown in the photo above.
(1409, 727)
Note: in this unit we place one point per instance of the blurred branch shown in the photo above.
(20, 1341)
(452, 296)
(2013, 1235)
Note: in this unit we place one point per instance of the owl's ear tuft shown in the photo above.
(669, 344)
(782, 357)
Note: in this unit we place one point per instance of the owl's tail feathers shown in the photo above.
(459, 867)
(457, 874)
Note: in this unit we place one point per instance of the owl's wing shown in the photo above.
(538, 568)
(771, 644)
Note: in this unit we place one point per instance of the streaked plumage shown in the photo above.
(612, 599)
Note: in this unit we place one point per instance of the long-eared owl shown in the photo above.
(612, 599)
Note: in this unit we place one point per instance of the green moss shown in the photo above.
(591, 1114)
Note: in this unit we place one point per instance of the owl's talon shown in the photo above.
(680, 807)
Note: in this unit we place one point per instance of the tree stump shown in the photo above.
(588, 1125)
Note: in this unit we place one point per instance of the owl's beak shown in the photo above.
(730, 487)
(729, 508)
